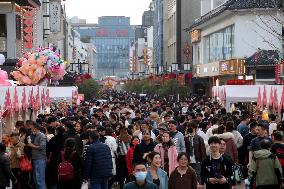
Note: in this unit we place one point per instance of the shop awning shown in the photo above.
(263, 58)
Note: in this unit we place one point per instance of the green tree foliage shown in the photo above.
(170, 87)
(89, 88)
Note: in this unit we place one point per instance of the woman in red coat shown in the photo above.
(129, 155)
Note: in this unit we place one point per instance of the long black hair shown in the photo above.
(69, 147)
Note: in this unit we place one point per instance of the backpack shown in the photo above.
(279, 152)
(65, 168)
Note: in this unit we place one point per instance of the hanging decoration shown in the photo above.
(281, 104)
(28, 27)
(24, 100)
(47, 98)
(275, 102)
(43, 98)
(31, 99)
(186, 52)
(259, 103)
(37, 100)
(181, 79)
(271, 99)
(277, 73)
(16, 100)
(7, 103)
(264, 100)
(213, 93)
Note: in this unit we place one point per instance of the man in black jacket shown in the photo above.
(98, 163)
(5, 169)
(144, 148)
(216, 170)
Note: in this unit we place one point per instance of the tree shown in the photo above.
(89, 88)
(170, 87)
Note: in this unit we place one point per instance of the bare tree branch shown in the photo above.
(271, 28)
(264, 40)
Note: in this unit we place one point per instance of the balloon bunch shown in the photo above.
(34, 67)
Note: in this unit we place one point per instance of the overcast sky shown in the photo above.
(92, 9)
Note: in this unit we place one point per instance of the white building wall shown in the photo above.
(250, 33)
(150, 39)
(141, 46)
(11, 35)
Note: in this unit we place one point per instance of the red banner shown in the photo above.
(181, 79)
(277, 73)
(28, 27)
(167, 77)
(24, 100)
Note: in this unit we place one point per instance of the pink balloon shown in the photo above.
(3, 75)
(5, 83)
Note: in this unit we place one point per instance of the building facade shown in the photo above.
(224, 38)
(13, 42)
(190, 11)
(112, 38)
(170, 33)
(158, 35)
(147, 18)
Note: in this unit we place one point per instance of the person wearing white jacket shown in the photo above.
(111, 143)
(238, 139)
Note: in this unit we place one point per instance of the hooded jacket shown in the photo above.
(265, 165)
(231, 147)
(141, 149)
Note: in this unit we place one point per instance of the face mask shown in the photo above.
(135, 142)
(190, 130)
(140, 176)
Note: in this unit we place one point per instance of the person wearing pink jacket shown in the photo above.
(168, 153)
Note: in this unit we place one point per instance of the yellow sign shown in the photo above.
(195, 36)
(233, 66)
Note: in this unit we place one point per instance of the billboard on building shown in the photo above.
(55, 16)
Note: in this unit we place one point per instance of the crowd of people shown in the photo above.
(126, 141)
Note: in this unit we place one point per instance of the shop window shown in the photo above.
(3, 33)
(219, 45)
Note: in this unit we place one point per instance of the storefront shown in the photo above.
(262, 66)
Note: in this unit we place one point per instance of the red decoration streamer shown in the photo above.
(24, 100)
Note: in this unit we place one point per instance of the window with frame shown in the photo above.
(219, 45)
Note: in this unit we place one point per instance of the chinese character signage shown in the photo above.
(106, 32)
(195, 36)
(233, 66)
(55, 16)
(28, 27)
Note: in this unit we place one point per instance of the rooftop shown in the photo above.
(236, 5)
